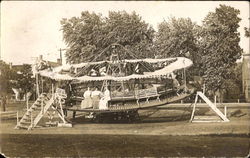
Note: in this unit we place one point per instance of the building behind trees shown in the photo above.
(246, 76)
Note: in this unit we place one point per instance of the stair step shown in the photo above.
(206, 118)
(25, 123)
(26, 116)
(207, 121)
(26, 119)
(34, 113)
(36, 104)
(27, 113)
(22, 126)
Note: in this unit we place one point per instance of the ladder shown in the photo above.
(211, 105)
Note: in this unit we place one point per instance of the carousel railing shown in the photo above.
(147, 93)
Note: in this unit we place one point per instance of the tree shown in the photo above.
(179, 38)
(5, 76)
(83, 35)
(234, 83)
(247, 31)
(5, 84)
(15, 77)
(220, 46)
(22, 78)
(88, 35)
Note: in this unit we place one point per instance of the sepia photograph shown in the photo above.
(125, 79)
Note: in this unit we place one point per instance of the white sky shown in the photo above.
(32, 28)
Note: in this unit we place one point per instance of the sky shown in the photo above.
(30, 29)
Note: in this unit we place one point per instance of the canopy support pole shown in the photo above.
(37, 85)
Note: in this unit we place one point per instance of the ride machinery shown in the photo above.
(134, 83)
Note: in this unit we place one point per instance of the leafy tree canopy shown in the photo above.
(213, 47)
(177, 37)
(22, 78)
(89, 34)
(247, 31)
(16, 77)
(5, 75)
(220, 45)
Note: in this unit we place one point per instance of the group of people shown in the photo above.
(95, 99)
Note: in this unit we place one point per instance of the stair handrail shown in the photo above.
(31, 120)
(37, 119)
(60, 96)
(42, 106)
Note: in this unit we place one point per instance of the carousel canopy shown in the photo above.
(177, 64)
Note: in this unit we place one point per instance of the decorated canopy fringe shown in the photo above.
(180, 63)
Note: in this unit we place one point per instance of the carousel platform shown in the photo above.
(132, 106)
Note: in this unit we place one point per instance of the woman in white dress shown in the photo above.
(96, 96)
(104, 100)
(87, 102)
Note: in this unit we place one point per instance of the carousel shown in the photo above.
(117, 84)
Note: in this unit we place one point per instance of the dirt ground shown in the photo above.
(169, 120)
(164, 131)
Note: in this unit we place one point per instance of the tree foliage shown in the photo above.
(213, 47)
(247, 31)
(5, 77)
(22, 78)
(16, 77)
(88, 35)
(177, 37)
(220, 45)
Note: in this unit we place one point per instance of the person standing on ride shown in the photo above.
(107, 94)
(87, 102)
(96, 96)
(104, 100)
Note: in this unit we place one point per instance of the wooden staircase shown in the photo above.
(34, 114)
(206, 118)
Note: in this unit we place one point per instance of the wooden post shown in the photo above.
(52, 89)
(192, 115)
(42, 106)
(225, 111)
(27, 102)
(37, 86)
(204, 88)
(215, 100)
(17, 118)
(31, 120)
(185, 79)
(42, 83)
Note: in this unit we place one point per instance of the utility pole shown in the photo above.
(60, 50)
(60, 55)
